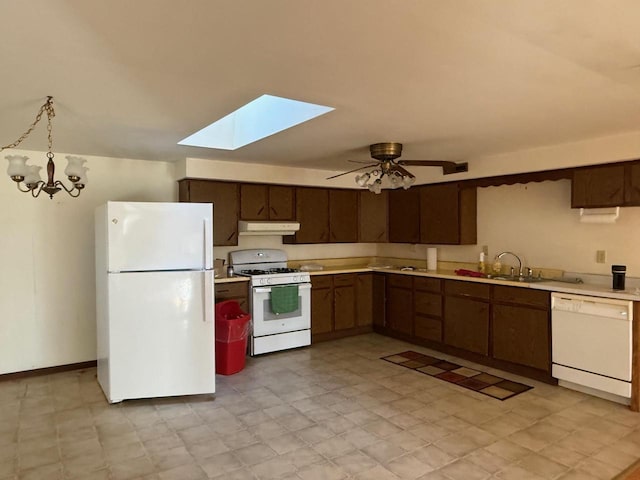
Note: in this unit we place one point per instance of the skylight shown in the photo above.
(254, 121)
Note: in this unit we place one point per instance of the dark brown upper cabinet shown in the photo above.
(601, 186)
(632, 185)
(448, 214)
(404, 216)
(312, 211)
(225, 199)
(266, 202)
(343, 216)
(325, 216)
(373, 219)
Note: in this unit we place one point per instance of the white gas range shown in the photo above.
(270, 280)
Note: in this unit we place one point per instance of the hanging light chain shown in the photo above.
(47, 107)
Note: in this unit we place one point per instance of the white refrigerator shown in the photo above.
(154, 299)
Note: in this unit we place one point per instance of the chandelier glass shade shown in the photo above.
(27, 177)
(386, 175)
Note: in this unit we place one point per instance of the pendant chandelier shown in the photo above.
(27, 177)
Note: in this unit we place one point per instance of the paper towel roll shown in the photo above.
(432, 258)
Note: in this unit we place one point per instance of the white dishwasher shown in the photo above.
(591, 344)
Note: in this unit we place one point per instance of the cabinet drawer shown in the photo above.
(344, 280)
(224, 291)
(321, 281)
(428, 303)
(429, 328)
(467, 289)
(402, 281)
(523, 296)
(427, 284)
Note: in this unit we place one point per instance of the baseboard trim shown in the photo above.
(47, 371)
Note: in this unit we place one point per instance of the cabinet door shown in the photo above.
(225, 199)
(254, 200)
(321, 305)
(427, 307)
(601, 186)
(373, 216)
(428, 328)
(281, 205)
(632, 185)
(448, 214)
(379, 299)
(466, 324)
(344, 300)
(521, 335)
(343, 216)
(312, 211)
(404, 216)
(364, 299)
(399, 309)
(439, 214)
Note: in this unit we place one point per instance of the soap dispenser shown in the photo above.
(482, 266)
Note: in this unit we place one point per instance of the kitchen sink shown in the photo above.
(516, 278)
(533, 279)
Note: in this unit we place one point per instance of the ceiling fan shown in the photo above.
(386, 154)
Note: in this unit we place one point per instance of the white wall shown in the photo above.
(47, 306)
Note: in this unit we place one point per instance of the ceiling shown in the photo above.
(452, 80)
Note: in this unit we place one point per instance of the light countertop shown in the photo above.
(590, 289)
(234, 279)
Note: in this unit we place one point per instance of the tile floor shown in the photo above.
(329, 412)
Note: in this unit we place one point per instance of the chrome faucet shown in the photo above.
(520, 272)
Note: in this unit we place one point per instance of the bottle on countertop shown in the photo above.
(482, 266)
(497, 266)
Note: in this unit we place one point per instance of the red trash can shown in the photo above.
(232, 331)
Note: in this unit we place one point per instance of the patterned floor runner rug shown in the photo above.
(491, 385)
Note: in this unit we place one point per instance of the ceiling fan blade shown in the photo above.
(351, 171)
(447, 166)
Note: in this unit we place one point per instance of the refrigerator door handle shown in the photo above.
(208, 244)
(208, 296)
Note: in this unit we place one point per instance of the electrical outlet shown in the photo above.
(601, 256)
(485, 249)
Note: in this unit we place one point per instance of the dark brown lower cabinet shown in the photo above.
(427, 307)
(521, 327)
(344, 298)
(466, 324)
(466, 316)
(379, 299)
(321, 305)
(399, 308)
(521, 335)
(364, 299)
(341, 305)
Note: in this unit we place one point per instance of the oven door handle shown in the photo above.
(301, 286)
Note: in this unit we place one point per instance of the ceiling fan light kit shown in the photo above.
(389, 173)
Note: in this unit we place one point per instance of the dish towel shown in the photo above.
(284, 299)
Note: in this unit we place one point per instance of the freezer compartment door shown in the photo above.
(161, 334)
(159, 236)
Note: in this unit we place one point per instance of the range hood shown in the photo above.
(267, 228)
